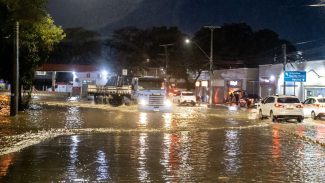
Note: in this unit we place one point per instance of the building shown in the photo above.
(77, 77)
(227, 81)
(271, 79)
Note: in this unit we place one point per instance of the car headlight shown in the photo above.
(168, 103)
(142, 102)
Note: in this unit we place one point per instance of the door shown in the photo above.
(268, 106)
(307, 107)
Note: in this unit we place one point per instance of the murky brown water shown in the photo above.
(71, 117)
(191, 144)
(247, 155)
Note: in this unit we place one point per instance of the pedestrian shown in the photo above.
(237, 98)
(231, 97)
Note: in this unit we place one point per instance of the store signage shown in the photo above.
(233, 83)
(295, 76)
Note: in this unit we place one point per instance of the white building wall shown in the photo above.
(96, 77)
(315, 76)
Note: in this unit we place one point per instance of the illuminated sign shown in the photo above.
(233, 83)
(295, 76)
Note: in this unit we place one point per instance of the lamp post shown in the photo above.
(15, 79)
(210, 60)
(166, 54)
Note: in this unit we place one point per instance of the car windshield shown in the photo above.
(153, 84)
(321, 100)
(288, 100)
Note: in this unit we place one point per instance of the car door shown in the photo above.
(307, 107)
(268, 106)
(313, 106)
(263, 106)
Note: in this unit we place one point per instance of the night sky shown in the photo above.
(293, 20)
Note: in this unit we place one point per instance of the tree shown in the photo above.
(237, 45)
(133, 46)
(38, 35)
(80, 46)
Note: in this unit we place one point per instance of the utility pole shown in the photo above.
(166, 55)
(15, 78)
(211, 63)
(284, 50)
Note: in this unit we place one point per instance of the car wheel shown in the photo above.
(300, 119)
(193, 103)
(260, 115)
(313, 115)
(273, 118)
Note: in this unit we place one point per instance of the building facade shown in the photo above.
(271, 79)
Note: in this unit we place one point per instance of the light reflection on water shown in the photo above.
(73, 118)
(232, 150)
(234, 155)
(103, 165)
(143, 172)
(73, 158)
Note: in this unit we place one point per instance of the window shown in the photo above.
(307, 101)
(270, 100)
(288, 100)
(321, 100)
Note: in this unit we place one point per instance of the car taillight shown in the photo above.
(300, 106)
(317, 105)
(278, 105)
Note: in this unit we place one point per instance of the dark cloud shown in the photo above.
(292, 19)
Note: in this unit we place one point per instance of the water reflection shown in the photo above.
(143, 174)
(102, 168)
(5, 162)
(176, 156)
(232, 149)
(73, 158)
(167, 120)
(73, 118)
(143, 121)
(276, 144)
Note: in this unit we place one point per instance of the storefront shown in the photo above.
(242, 81)
(271, 79)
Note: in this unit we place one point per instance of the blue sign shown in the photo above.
(295, 76)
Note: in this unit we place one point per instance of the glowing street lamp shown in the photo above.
(210, 59)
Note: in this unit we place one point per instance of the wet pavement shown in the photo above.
(69, 141)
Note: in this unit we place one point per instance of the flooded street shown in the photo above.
(64, 141)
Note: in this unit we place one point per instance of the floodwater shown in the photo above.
(191, 144)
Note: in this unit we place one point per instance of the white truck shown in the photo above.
(151, 94)
(148, 92)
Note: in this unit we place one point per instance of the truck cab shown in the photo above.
(151, 94)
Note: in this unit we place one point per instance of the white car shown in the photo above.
(314, 107)
(281, 107)
(185, 97)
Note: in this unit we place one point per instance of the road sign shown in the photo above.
(124, 72)
(295, 76)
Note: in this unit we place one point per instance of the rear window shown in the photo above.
(188, 94)
(288, 100)
(321, 100)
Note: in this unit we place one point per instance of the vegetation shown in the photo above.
(235, 45)
(38, 36)
(80, 46)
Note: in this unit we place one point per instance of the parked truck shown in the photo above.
(149, 93)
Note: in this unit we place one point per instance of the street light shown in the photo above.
(210, 59)
(166, 54)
